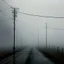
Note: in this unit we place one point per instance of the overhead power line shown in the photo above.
(41, 15)
(7, 3)
(45, 16)
(55, 28)
(9, 7)
(5, 14)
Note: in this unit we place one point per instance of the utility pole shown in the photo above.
(38, 37)
(21, 40)
(14, 18)
(46, 35)
(14, 40)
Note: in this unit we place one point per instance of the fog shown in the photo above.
(27, 26)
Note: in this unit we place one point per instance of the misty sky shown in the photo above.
(27, 26)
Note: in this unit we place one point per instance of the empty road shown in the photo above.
(28, 56)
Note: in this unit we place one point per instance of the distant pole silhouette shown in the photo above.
(21, 40)
(38, 37)
(46, 35)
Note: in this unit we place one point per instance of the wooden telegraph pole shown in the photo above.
(14, 39)
(38, 37)
(14, 18)
(46, 35)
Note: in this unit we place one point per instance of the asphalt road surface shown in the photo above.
(38, 58)
(28, 56)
